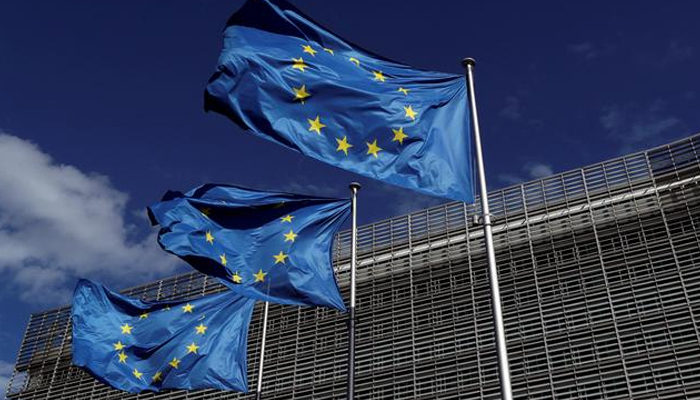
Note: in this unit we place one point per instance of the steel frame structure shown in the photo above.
(600, 280)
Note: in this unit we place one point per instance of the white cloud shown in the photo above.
(585, 50)
(5, 374)
(58, 223)
(406, 204)
(590, 51)
(538, 170)
(612, 118)
(512, 110)
(635, 126)
(530, 171)
(677, 52)
(510, 179)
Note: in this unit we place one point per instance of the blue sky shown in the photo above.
(101, 113)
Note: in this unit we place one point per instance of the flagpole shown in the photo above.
(502, 349)
(354, 188)
(258, 394)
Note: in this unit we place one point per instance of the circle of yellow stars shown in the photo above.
(127, 330)
(290, 236)
(316, 125)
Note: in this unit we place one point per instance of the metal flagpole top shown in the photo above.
(355, 186)
(468, 62)
(496, 307)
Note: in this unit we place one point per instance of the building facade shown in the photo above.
(600, 281)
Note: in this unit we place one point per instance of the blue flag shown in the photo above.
(137, 346)
(267, 246)
(293, 82)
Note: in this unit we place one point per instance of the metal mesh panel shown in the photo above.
(600, 284)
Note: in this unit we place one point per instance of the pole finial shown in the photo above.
(468, 62)
(355, 186)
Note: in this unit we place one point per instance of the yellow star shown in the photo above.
(126, 329)
(137, 374)
(308, 49)
(355, 60)
(118, 346)
(399, 135)
(290, 236)
(174, 363)
(299, 64)
(187, 308)
(143, 316)
(378, 76)
(260, 276)
(201, 329)
(329, 51)
(279, 258)
(410, 113)
(122, 357)
(236, 278)
(223, 260)
(192, 348)
(315, 124)
(404, 91)
(158, 376)
(287, 218)
(373, 149)
(301, 93)
(210, 237)
(343, 145)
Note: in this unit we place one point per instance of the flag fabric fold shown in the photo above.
(264, 245)
(137, 346)
(295, 83)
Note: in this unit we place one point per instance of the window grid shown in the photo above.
(600, 288)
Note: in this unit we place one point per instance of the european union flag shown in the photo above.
(137, 346)
(295, 83)
(267, 246)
